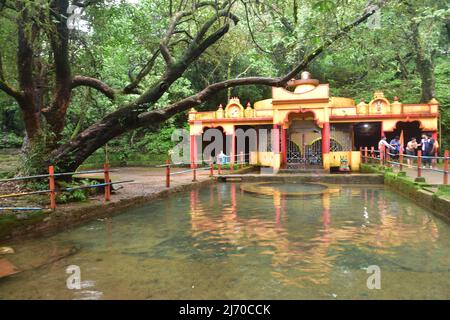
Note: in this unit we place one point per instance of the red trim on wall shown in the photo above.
(388, 116)
(233, 120)
(297, 101)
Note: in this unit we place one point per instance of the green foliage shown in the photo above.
(443, 191)
(11, 140)
(277, 35)
(72, 196)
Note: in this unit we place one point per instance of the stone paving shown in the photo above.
(431, 177)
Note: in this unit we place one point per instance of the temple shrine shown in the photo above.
(308, 128)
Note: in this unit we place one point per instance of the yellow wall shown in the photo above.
(353, 158)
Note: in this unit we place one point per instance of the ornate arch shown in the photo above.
(408, 119)
(303, 111)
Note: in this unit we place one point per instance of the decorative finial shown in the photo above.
(305, 75)
(433, 101)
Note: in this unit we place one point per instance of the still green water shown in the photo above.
(219, 242)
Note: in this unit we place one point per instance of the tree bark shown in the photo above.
(424, 61)
(133, 115)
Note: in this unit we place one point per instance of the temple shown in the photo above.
(309, 128)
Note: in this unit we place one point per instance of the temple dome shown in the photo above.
(304, 84)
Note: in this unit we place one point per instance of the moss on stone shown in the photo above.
(9, 221)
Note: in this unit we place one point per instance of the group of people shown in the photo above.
(427, 144)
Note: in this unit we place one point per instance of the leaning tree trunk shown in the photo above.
(424, 61)
(44, 119)
(425, 67)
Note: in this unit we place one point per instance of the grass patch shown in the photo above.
(443, 191)
(131, 160)
(9, 160)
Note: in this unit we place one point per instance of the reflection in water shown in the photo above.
(219, 242)
(310, 258)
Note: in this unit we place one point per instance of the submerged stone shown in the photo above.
(6, 250)
(7, 268)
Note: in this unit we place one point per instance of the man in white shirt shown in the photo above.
(384, 143)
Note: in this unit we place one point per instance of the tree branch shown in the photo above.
(93, 83)
(11, 91)
(132, 87)
(211, 90)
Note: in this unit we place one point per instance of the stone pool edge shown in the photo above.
(414, 191)
(68, 218)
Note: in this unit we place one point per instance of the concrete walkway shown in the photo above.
(149, 183)
(431, 177)
(150, 180)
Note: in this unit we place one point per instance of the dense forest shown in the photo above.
(80, 77)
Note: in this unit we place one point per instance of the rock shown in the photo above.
(6, 250)
(21, 216)
(7, 268)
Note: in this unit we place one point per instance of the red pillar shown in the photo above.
(233, 148)
(283, 147)
(193, 145)
(325, 138)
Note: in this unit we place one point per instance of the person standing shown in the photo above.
(429, 151)
(395, 143)
(383, 143)
(411, 148)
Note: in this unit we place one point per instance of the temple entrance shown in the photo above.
(304, 144)
(366, 134)
(410, 129)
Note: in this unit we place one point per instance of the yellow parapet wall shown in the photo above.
(353, 158)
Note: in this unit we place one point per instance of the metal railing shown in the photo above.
(194, 166)
(52, 190)
(386, 158)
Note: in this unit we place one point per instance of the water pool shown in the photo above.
(219, 242)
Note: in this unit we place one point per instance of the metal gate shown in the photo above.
(294, 154)
(311, 155)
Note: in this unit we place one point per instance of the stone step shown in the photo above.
(305, 170)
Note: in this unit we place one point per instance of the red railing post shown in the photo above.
(51, 172)
(446, 155)
(241, 155)
(167, 173)
(211, 168)
(218, 167)
(361, 158)
(400, 159)
(388, 158)
(372, 151)
(194, 173)
(365, 155)
(419, 163)
(382, 151)
(107, 180)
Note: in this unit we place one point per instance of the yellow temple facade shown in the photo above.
(310, 128)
